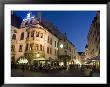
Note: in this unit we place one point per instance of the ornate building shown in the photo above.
(39, 42)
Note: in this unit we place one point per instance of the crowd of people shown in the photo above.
(88, 69)
(49, 68)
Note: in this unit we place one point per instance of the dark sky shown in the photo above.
(76, 24)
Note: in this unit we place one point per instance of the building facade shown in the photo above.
(92, 50)
(94, 37)
(39, 42)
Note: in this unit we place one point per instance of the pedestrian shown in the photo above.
(68, 67)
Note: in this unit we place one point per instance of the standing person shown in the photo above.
(68, 67)
(23, 68)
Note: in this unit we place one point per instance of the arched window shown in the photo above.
(12, 48)
(22, 36)
(14, 37)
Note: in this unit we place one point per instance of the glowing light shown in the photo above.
(61, 63)
(61, 45)
(77, 62)
(23, 61)
(69, 63)
(30, 48)
(38, 55)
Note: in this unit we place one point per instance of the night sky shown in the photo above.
(76, 24)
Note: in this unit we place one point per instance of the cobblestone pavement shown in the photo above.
(60, 73)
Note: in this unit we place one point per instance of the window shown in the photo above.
(55, 51)
(48, 39)
(28, 34)
(31, 47)
(12, 48)
(26, 49)
(37, 47)
(48, 50)
(41, 47)
(20, 48)
(55, 43)
(51, 41)
(41, 35)
(15, 31)
(95, 39)
(22, 36)
(37, 34)
(32, 34)
(14, 37)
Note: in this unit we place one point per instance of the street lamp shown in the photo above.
(61, 45)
